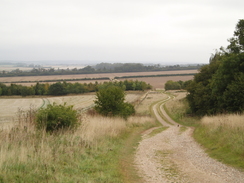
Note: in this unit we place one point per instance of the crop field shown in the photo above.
(82, 76)
(9, 107)
(156, 82)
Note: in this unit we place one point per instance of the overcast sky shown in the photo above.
(155, 31)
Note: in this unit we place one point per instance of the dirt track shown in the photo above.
(174, 156)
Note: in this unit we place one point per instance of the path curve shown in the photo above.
(174, 156)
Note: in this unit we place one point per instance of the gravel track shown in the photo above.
(174, 156)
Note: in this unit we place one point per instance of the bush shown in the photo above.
(128, 110)
(110, 102)
(172, 85)
(56, 117)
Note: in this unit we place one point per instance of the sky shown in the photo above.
(145, 31)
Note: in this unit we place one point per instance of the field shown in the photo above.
(12, 67)
(10, 106)
(99, 150)
(80, 76)
(156, 82)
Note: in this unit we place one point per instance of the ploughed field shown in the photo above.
(10, 107)
(156, 82)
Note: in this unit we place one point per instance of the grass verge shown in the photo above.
(178, 109)
(223, 136)
(100, 150)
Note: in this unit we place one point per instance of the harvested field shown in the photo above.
(9, 107)
(156, 82)
(82, 76)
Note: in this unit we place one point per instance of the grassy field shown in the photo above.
(100, 150)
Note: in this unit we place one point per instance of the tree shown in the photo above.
(110, 102)
(171, 85)
(57, 89)
(218, 87)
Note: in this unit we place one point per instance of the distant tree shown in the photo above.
(57, 89)
(172, 85)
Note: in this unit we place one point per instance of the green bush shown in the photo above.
(56, 117)
(110, 102)
(128, 110)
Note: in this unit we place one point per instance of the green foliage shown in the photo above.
(218, 87)
(171, 85)
(56, 117)
(57, 89)
(176, 85)
(110, 102)
(63, 88)
(128, 110)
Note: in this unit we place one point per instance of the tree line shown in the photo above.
(99, 68)
(219, 86)
(64, 88)
(176, 85)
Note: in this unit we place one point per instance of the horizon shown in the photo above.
(116, 31)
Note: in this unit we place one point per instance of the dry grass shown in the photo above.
(223, 136)
(230, 121)
(178, 109)
(10, 106)
(176, 106)
(48, 157)
(146, 101)
(96, 127)
(26, 142)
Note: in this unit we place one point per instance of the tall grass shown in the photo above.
(223, 135)
(87, 154)
(178, 109)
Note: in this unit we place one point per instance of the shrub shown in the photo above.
(56, 117)
(110, 102)
(128, 110)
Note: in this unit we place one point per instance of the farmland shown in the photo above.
(156, 82)
(10, 106)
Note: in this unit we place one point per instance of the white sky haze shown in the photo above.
(151, 31)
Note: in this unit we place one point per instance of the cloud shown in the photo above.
(128, 30)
